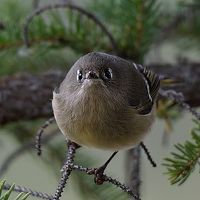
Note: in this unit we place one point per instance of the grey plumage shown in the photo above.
(106, 102)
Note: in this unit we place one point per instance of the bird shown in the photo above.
(106, 102)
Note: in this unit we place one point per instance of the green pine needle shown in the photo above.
(7, 195)
(22, 196)
(184, 160)
(1, 186)
(19, 196)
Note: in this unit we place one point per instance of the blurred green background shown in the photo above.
(58, 38)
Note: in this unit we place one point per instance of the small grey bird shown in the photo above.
(106, 102)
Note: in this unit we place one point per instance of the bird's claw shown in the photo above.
(99, 176)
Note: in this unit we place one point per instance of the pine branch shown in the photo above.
(123, 187)
(179, 98)
(184, 160)
(69, 166)
(7, 195)
(72, 7)
(62, 31)
(184, 24)
(66, 170)
(33, 193)
(88, 189)
(135, 29)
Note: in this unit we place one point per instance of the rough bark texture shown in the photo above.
(188, 76)
(25, 96)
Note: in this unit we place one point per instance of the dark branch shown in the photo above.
(37, 194)
(26, 96)
(186, 74)
(82, 11)
(123, 187)
(179, 98)
(69, 166)
(39, 135)
(66, 170)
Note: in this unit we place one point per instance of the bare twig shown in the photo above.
(69, 166)
(37, 194)
(179, 98)
(22, 149)
(72, 7)
(107, 179)
(123, 187)
(39, 135)
(66, 171)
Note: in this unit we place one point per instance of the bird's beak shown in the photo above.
(92, 75)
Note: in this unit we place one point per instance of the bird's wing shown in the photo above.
(152, 83)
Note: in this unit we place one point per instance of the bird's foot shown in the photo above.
(99, 177)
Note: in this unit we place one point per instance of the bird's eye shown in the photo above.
(108, 73)
(79, 75)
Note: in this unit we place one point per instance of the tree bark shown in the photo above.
(26, 96)
(187, 75)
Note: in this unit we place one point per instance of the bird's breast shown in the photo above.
(99, 121)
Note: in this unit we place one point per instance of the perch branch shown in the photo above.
(107, 179)
(39, 135)
(66, 170)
